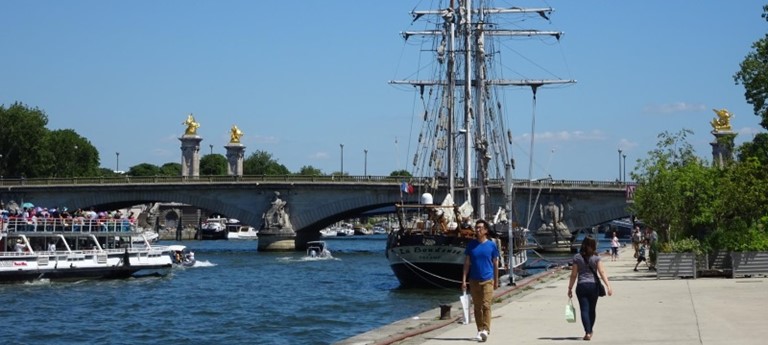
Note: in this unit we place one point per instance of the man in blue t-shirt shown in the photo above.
(481, 265)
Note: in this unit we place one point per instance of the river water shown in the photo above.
(233, 295)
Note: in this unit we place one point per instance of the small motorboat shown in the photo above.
(182, 256)
(317, 249)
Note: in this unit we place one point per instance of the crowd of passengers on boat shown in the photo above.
(31, 218)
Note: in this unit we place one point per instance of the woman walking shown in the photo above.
(585, 266)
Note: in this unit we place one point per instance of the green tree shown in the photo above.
(400, 173)
(106, 172)
(69, 155)
(262, 163)
(22, 134)
(675, 188)
(144, 169)
(757, 148)
(214, 164)
(753, 74)
(309, 170)
(170, 169)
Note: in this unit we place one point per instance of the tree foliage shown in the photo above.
(400, 173)
(214, 164)
(170, 169)
(309, 170)
(753, 74)
(673, 187)
(144, 169)
(680, 195)
(22, 132)
(262, 163)
(69, 155)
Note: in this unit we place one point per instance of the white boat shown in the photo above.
(344, 229)
(242, 232)
(328, 232)
(181, 256)
(465, 141)
(57, 250)
(318, 249)
(214, 229)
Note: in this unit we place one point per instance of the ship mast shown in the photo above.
(467, 31)
(458, 24)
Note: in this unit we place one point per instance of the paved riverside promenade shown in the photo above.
(642, 310)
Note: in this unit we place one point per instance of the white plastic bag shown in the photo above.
(464, 299)
(570, 312)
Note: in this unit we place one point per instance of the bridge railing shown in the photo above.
(122, 180)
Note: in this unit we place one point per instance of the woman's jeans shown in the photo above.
(586, 293)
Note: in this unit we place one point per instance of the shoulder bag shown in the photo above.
(600, 287)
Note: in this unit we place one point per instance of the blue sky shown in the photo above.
(299, 78)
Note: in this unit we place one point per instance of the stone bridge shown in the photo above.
(312, 202)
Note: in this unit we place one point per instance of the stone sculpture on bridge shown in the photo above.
(552, 220)
(277, 218)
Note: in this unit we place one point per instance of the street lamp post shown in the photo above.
(341, 173)
(365, 163)
(619, 178)
(117, 161)
(625, 167)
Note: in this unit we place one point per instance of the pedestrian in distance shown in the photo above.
(584, 267)
(615, 247)
(636, 240)
(481, 267)
(641, 255)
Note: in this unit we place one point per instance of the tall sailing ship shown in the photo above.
(464, 144)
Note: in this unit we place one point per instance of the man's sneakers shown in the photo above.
(483, 335)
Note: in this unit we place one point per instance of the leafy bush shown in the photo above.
(686, 245)
(753, 238)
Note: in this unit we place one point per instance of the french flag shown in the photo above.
(406, 187)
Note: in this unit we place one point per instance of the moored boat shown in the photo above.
(464, 144)
(214, 229)
(63, 251)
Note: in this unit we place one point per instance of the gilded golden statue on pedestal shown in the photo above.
(235, 134)
(191, 124)
(723, 120)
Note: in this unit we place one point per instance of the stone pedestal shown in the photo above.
(282, 240)
(235, 154)
(722, 147)
(190, 155)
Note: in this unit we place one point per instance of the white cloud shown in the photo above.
(676, 107)
(564, 136)
(319, 156)
(260, 139)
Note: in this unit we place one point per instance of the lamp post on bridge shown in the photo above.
(117, 162)
(341, 173)
(365, 163)
(619, 178)
(625, 167)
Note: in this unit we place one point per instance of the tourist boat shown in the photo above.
(318, 250)
(57, 250)
(214, 229)
(181, 256)
(464, 144)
